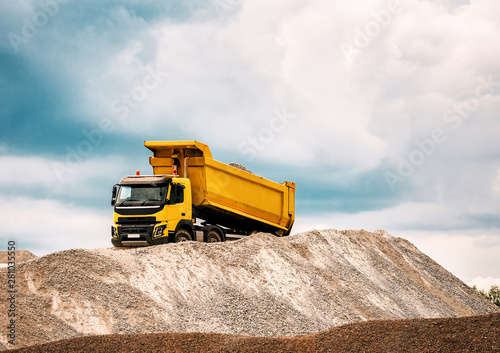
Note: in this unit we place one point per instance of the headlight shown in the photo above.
(113, 232)
(159, 231)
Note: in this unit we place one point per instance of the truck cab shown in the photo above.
(150, 210)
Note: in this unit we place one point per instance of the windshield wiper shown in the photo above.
(125, 201)
(150, 200)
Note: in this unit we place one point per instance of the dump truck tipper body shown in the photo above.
(189, 186)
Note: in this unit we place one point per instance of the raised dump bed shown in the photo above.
(223, 194)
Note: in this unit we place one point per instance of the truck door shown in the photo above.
(179, 205)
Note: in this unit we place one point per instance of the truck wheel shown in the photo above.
(213, 237)
(182, 235)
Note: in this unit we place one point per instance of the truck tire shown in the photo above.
(213, 237)
(182, 235)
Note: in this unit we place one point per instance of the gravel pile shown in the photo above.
(239, 166)
(21, 256)
(258, 286)
(465, 334)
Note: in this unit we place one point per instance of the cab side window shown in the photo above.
(177, 194)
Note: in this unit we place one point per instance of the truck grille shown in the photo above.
(136, 228)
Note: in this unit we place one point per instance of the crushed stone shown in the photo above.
(239, 166)
(259, 286)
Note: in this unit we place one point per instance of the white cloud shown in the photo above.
(227, 80)
(496, 185)
(31, 170)
(459, 253)
(44, 226)
(227, 77)
(58, 177)
(404, 217)
(45, 212)
(34, 214)
(484, 283)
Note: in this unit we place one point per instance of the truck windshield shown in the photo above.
(141, 195)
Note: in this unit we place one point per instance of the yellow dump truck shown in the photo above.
(190, 195)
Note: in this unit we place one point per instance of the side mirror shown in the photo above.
(114, 194)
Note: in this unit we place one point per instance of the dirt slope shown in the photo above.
(260, 286)
(465, 334)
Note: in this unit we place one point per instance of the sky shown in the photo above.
(384, 113)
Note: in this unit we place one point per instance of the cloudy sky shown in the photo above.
(384, 113)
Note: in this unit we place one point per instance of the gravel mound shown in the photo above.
(21, 256)
(239, 166)
(258, 286)
(467, 334)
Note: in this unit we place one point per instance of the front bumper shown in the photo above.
(135, 242)
(138, 232)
